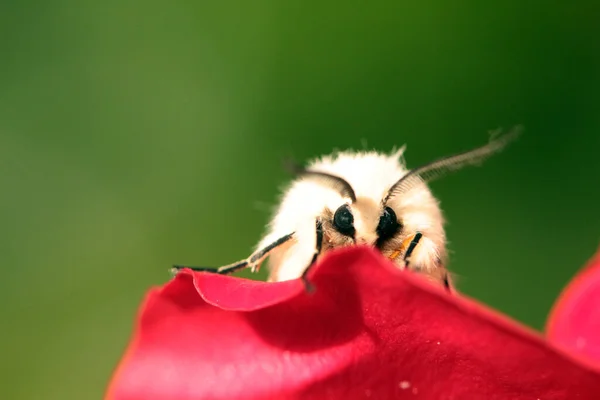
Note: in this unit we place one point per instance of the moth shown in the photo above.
(361, 198)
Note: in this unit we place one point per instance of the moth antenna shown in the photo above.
(440, 167)
(335, 182)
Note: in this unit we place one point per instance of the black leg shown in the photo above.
(227, 269)
(260, 254)
(411, 247)
(319, 245)
(252, 261)
(447, 282)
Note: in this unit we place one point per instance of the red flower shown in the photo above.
(574, 324)
(369, 330)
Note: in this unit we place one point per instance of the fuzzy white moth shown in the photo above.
(361, 198)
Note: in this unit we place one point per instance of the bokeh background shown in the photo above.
(134, 135)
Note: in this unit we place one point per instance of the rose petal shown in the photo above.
(369, 330)
(243, 294)
(574, 322)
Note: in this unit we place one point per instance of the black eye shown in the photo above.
(388, 225)
(343, 221)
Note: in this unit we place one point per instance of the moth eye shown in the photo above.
(343, 221)
(388, 224)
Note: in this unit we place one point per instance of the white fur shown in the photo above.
(370, 174)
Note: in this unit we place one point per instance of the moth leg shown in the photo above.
(411, 247)
(252, 262)
(446, 282)
(319, 245)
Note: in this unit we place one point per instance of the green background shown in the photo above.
(137, 135)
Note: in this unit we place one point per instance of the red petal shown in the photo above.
(574, 323)
(370, 330)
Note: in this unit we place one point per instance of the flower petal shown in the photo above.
(574, 322)
(243, 294)
(369, 330)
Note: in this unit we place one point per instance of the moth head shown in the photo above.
(352, 219)
(385, 220)
(364, 222)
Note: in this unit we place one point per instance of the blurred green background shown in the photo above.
(134, 135)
